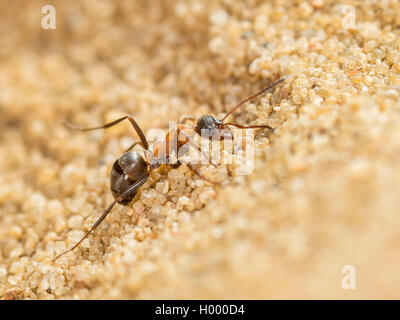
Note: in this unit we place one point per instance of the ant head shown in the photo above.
(126, 170)
(208, 127)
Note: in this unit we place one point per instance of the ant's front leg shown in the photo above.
(185, 119)
(134, 145)
(191, 142)
(197, 172)
(192, 168)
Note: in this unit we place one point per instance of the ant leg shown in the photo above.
(121, 197)
(176, 165)
(133, 145)
(191, 141)
(192, 168)
(197, 172)
(249, 127)
(137, 128)
(105, 213)
(185, 119)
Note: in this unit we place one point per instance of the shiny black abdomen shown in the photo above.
(126, 171)
(119, 182)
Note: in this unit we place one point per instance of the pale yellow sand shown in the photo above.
(325, 191)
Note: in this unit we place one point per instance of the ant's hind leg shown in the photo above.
(124, 195)
(137, 128)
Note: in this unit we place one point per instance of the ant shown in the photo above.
(130, 171)
(214, 129)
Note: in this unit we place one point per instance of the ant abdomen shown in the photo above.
(127, 170)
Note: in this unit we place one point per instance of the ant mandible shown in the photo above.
(130, 171)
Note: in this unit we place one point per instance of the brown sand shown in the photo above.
(325, 191)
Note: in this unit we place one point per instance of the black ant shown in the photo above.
(130, 171)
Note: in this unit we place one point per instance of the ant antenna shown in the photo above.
(253, 96)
